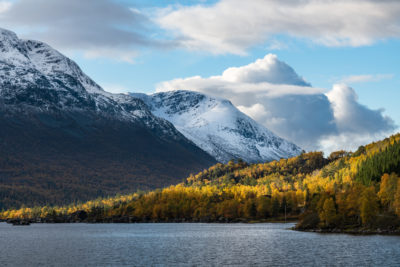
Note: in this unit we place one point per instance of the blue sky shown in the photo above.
(136, 45)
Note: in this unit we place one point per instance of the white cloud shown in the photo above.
(101, 28)
(268, 90)
(268, 77)
(350, 116)
(267, 69)
(256, 111)
(232, 26)
(366, 78)
(4, 6)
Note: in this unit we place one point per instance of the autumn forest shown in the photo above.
(347, 191)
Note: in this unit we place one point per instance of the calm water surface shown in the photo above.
(189, 245)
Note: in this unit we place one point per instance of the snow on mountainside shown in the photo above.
(34, 74)
(64, 139)
(218, 127)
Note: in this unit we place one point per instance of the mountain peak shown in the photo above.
(34, 74)
(7, 34)
(218, 127)
(12, 49)
(59, 128)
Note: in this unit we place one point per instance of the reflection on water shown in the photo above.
(189, 244)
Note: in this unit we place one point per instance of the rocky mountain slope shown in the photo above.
(64, 139)
(218, 127)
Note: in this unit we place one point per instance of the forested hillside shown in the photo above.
(359, 190)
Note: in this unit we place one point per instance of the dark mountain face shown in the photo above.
(64, 139)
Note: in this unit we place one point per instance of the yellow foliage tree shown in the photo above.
(328, 212)
(368, 206)
(387, 190)
(397, 199)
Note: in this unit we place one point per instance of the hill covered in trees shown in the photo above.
(346, 191)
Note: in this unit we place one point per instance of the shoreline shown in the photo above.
(133, 220)
(355, 231)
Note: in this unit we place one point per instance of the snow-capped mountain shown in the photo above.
(32, 73)
(63, 138)
(218, 127)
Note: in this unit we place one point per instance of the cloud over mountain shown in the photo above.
(101, 28)
(115, 29)
(272, 93)
(267, 69)
(232, 26)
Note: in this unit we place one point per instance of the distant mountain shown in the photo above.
(218, 127)
(63, 138)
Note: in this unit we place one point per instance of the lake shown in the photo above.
(185, 244)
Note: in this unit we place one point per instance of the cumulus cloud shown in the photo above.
(267, 69)
(101, 28)
(350, 116)
(272, 93)
(232, 26)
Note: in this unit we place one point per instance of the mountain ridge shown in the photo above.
(218, 127)
(64, 139)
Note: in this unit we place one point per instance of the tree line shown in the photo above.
(345, 190)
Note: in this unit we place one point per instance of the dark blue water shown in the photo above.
(189, 245)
